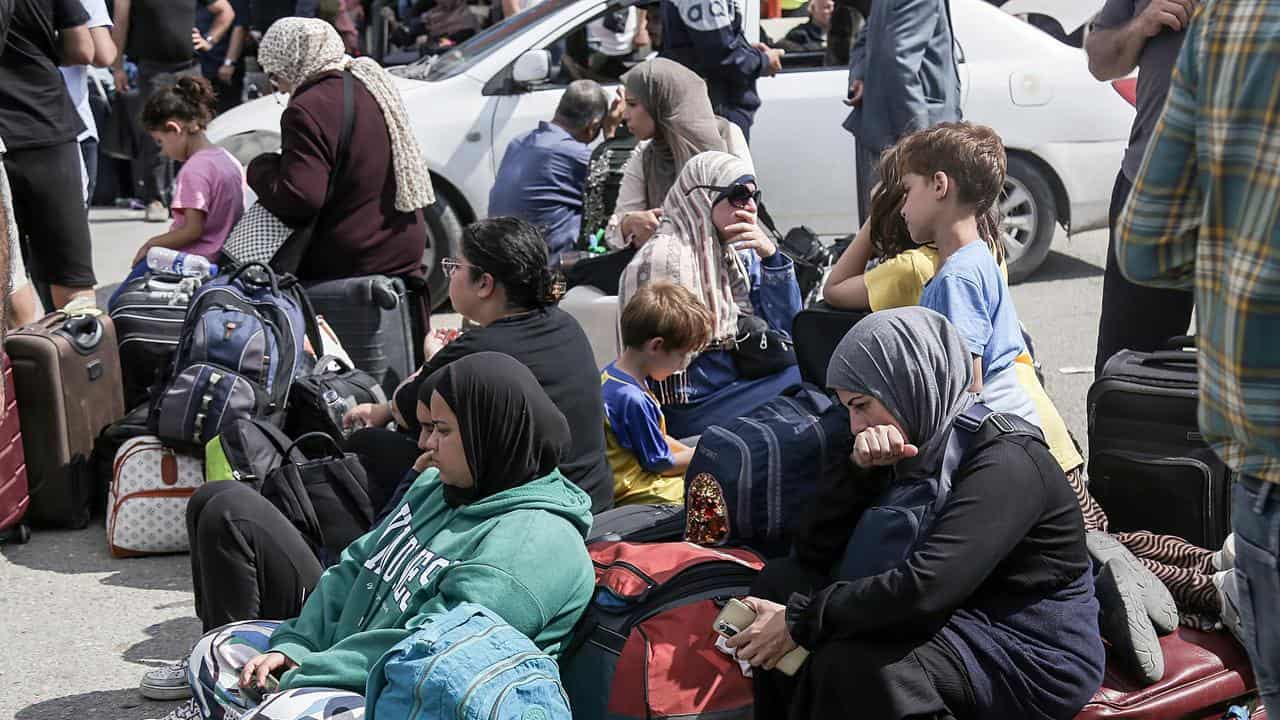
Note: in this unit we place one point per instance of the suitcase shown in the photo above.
(815, 332)
(1149, 466)
(13, 469)
(639, 523)
(67, 374)
(373, 318)
(148, 316)
(1205, 673)
(147, 507)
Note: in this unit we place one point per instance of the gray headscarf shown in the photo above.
(913, 361)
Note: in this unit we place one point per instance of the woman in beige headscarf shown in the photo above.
(370, 221)
(709, 241)
(667, 108)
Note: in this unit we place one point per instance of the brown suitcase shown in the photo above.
(67, 373)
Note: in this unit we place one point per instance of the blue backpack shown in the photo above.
(901, 516)
(242, 343)
(752, 479)
(466, 664)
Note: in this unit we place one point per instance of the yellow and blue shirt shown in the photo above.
(636, 442)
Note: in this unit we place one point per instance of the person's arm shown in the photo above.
(104, 50)
(846, 288)
(1114, 44)
(1158, 230)
(774, 292)
(898, 55)
(976, 385)
(962, 302)
(631, 199)
(984, 519)
(223, 15)
(75, 44)
(120, 37)
(292, 185)
(179, 238)
(636, 422)
(715, 48)
(681, 456)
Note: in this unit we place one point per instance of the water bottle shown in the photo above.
(176, 262)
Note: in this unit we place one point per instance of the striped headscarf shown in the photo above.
(686, 248)
(295, 49)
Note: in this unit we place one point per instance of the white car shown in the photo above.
(1065, 132)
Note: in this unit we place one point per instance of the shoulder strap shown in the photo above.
(976, 427)
(289, 256)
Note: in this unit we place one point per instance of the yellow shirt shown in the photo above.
(899, 281)
(632, 483)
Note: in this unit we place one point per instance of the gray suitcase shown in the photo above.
(373, 317)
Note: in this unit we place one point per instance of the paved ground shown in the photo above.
(77, 627)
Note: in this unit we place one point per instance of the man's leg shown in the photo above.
(1255, 517)
(868, 174)
(1135, 317)
(89, 152)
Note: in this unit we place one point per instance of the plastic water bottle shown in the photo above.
(176, 262)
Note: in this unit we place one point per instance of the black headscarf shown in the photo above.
(511, 431)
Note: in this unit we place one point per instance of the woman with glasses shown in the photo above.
(709, 241)
(370, 221)
(501, 283)
(668, 110)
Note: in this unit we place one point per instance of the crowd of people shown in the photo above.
(487, 465)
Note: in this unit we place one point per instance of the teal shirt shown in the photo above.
(519, 553)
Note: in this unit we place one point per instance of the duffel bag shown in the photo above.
(645, 647)
(321, 397)
(639, 523)
(147, 506)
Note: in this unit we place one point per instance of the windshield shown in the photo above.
(466, 55)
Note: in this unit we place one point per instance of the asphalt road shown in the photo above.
(78, 627)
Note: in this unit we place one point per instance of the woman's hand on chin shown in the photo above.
(745, 234)
(764, 642)
(881, 445)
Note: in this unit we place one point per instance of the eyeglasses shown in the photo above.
(739, 195)
(451, 265)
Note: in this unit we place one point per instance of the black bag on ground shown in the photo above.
(373, 318)
(816, 331)
(107, 444)
(809, 256)
(639, 523)
(326, 498)
(1149, 466)
(248, 451)
(148, 315)
(322, 396)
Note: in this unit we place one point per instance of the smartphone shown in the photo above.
(736, 617)
(256, 694)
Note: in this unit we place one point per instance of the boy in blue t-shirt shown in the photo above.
(953, 173)
(663, 326)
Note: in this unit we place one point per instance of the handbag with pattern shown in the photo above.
(256, 237)
(147, 508)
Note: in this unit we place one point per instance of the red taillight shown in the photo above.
(1128, 89)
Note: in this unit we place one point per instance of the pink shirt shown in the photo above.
(213, 181)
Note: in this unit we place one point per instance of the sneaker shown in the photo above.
(1225, 559)
(186, 711)
(157, 212)
(1124, 621)
(1229, 595)
(168, 682)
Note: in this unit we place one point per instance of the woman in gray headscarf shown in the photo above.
(669, 111)
(992, 612)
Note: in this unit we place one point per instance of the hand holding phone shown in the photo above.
(738, 616)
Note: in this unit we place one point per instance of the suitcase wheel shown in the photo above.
(19, 534)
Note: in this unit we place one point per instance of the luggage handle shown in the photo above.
(337, 449)
(271, 276)
(1169, 357)
(1180, 342)
(84, 331)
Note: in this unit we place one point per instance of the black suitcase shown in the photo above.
(1149, 466)
(148, 315)
(373, 318)
(639, 523)
(816, 332)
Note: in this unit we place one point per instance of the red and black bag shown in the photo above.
(645, 647)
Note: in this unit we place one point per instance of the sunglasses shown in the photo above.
(739, 195)
(451, 266)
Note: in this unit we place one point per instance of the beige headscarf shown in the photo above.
(294, 49)
(686, 248)
(677, 100)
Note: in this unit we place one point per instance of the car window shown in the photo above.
(600, 48)
(466, 55)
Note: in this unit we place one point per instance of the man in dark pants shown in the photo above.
(223, 64)
(1145, 34)
(161, 37)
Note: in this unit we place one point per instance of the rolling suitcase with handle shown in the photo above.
(148, 316)
(13, 468)
(66, 370)
(373, 318)
(1149, 466)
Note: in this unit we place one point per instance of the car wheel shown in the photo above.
(1029, 218)
(444, 233)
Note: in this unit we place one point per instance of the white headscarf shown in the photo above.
(295, 49)
(686, 248)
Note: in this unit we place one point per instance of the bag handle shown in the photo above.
(1169, 357)
(289, 256)
(316, 435)
(1180, 342)
(271, 275)
(84, 331)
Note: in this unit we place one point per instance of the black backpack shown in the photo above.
(322, 396)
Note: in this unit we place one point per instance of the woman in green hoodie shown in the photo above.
(490, 520)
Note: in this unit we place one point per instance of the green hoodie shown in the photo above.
(519, 553)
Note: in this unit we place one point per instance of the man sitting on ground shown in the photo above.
(543, 173)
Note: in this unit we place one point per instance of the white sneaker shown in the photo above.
(167, 682)
(1225, 559)
(1228, 593)
(156, 212)
(186, 711)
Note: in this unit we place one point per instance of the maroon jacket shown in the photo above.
(360, 232)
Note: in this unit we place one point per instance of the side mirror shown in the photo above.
(532, 67)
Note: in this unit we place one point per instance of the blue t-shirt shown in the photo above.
(541, 180)
(632, 413)
(969, 290)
